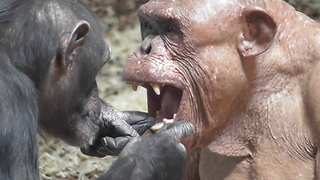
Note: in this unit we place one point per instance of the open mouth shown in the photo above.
(163, 102)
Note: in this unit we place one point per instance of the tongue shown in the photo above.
(170, 101)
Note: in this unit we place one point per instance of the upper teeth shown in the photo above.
(134, 86)
(156, 88)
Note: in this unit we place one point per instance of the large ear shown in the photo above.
(70, 42)
(258, 31)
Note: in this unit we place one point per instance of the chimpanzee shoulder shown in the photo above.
(18, 123)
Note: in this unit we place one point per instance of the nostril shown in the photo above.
(146, 47)
(148, 50)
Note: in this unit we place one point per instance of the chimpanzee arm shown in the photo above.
(159, 156)
(117, 130)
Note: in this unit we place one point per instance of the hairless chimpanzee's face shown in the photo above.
(245, 73)
(190, 51)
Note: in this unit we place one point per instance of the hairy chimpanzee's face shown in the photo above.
(69, 105)
(191, 56)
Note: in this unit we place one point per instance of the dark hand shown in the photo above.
(158, 156)
(117, 129)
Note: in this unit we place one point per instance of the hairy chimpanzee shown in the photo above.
(50, 53)
(159, 156)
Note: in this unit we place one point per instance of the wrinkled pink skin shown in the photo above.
(250, 76)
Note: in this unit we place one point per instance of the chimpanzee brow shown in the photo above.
(161, 16)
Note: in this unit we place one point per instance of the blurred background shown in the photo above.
(119, 20)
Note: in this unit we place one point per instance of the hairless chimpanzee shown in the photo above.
(50, 53)
(246, 73)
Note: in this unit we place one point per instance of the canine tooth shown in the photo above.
(159, 113)
(134, 86)
(157, 126)
(174, 116)
(156, 88)
(167, 121)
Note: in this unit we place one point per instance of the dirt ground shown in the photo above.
(118, 17)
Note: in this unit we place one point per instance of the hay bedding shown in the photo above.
(59, 161)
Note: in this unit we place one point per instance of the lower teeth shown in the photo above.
(167, 121)
(159, 125)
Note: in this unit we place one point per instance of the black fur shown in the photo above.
(27, 47)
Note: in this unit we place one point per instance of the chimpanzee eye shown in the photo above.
(169, 29)
(148, 26)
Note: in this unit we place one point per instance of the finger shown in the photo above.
(113, 146)
(122, 128)
(113, 122)
(178, 130)
(91, 152)
(139, 121)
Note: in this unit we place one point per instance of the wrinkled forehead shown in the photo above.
(197, 10)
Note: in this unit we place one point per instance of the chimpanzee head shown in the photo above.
(59, 45)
